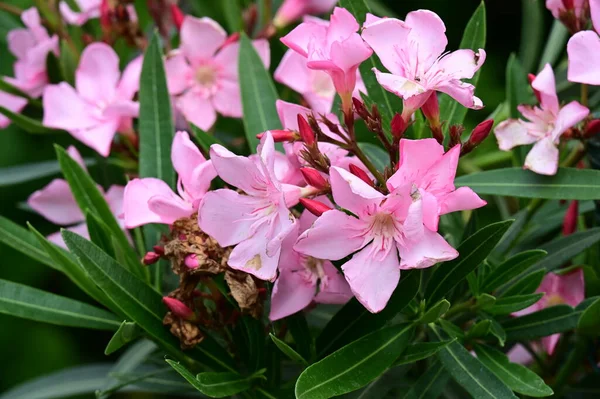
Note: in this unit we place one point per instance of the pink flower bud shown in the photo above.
(177, 16)
(398, 126)
(191, 261)
(360, 109)
(159, 250)
(280, 136)
(306, 133)
(150, 258)
(592, 128)
(531, 78)
(569, 4)
(315, 207)
(481, 131)
(179, 309)
(361, 174)
(570, 220)
(105, 15)
(314, 178)
(431, 109)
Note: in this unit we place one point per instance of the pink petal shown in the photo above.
(185, 157)
(378, 35)
(334, 288)
(227, 216)
(399, 85)
(342, 25)
(543, 157)
(12, 103)
(416, 158)
(227, 58)
(90, 9)
(429, 31)
(64, 109)
(461, 92)
(545, 84)
(595, 13)
(299, 38)
(251, 256)
(98, 137)
(512, 133)
(440, 177)
(584, 58)
(200, 38)
(114, 198)
(79, 229)
(197, 110)
(348, 54)
(518, 354)
(333, 236)
(130, 80)
(282, 226)
(56, 203)
(200, 181)
(169, 208)
(288, 114)
(431, 210)
(293, 72)
(569, 116)
(227, 100)
(179, 73)
(572, 287)
(74, 153)
(291, 293)
(20, 41)
(373, 276)
(98, 73)
(549, 343)
(462, 199)
(291, 10)
(236, 170)
(351, 193)
(462, 64)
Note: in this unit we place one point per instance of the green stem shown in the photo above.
(584, 95)
(459, 308)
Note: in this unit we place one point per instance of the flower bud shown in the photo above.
(191, 261)
(361, 174)
(531, 78)
(315, 207)
(234, 37)
(314, 178)
(280, 136)
(360, 109)
(105, 15)
(177, 16)
(150, 258)
(431, 109)
(159, 250)
(398, 126)
(478, 134)
(179, 309)
(570, 220)
(306, 133)
(591, 128)
(569, 4)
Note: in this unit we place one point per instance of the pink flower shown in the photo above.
(292, 10)
(56, 203)
(315, 86)
(12, 103)
(387, 234)
(557, 7)
(303, 279)
(88, 9)
(101, 102)
(424, 166)
(335, 48)
(151, 200)
(544, 127)
(584, 51)
(203, 72)
(413, 51)
(257, 221)
(558, 289)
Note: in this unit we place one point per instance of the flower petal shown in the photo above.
(462, 64)
(227, 100)
(545, 84)
(584, 58)
(416, 158)
(251, 255)
(291, 293)
(379, 36)
(293, 72)
(512, 133)
(197, 110)
(185, 157)
(98, 137)
(334, 288)
(12, 103)
(130, 80)
(200, 38)
(64, 109)
(543, 157)
(300, 37)
(98, 73)
(79, 229)
(429, 31)
(399, 85)
(569, 116)
(179, 74)
(238, 171)
(56, 203)
(352, 193)
(462, 199)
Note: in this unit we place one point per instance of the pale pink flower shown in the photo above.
(12, 103)
(292, 10)
(56, 203)
(335, 48)
(257, 221)
(315, 86)
(203, 72)
(558, 289)
(151, 200)
(387, 234)
(88, 9)
(544, 126)
(304, 279)
(414, 52)
(584, 51)
(424, 166)
(101, 104)
(518, 354)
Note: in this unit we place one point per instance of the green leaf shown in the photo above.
(511, 268)
(567, 184)
(68, 61)
(518, 90)
(495, 328)
(510, 304)
(11, 89)
(354, 321)
(155, 121)
(472, 252)
(214, 385)
(30, 303)
(518, 378)
(485, 300)
(204, 139)
(23, 241)
(548, 321)
(28, 124)
(258, 94)
(470, 373)
(99, 233)
(589, 323)
(288, 351)
(302, 335)
(555, 44)
(392, 379)
(479, 329)
(431, 384)
(140, 303)
(435, 312)
(532, 33)
(387, 103)
(126, 333)
(16, 174)
(355, 365)
(376, 154)
(233, 14)
(563, 249)
(420, 351)
(474, 38)
(513, 232)
(526, 285)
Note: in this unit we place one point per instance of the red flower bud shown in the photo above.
(179, 309)
(177, 16)
(360, 109)
(431, 109)
(568, 4)
(592, 128)
(361, 174)
(280, 136)
(481, 131)
(150, 258)
(159, 250)
(105, 15)
(570, 220)
(315, 207)
(314, 178)
(398, 126)
(191, 261)
(306, 133)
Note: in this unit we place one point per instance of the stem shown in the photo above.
(584, 95)
(459, 308)
(363, 158)
(11, 9)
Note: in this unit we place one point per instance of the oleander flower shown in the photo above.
(88, 9)
(292, 10)
(583, 49)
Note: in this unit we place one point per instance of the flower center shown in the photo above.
(554, 299)
(384, 225)
(206, 75)
(322, 84)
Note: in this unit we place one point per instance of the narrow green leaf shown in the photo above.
(126, 333)
(392, 380)
(99, 233)
(28, 124)
(355, 365)
(563, 249)
(474, 38)
(518, 378)
(567, 184)
(435, 312)
(485, 300)
(511, 268)
(431, 384)
(470, 373)
(532, 33)
(68, 61)
(510, 304)
(258, 93)
(479, 329)
(513, 232)
(354, 321)
(11, 89)
(16, 174)
(495, 328)
(204, 139)
(589, 323)
(23, 241)
(288, 351)
(518, 90)
(298, 327)
(376, 154)
(420, 351)
(548, 321)
(526, 285)
(214, 385)
(233, 14)
(156, 122)
(555, 44)
(30, 303)
(472, 252)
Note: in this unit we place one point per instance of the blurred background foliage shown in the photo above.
(31, 349)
